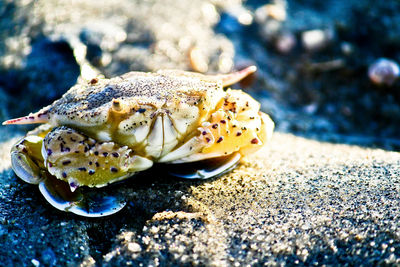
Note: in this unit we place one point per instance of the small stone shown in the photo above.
(347, 48)
(134, 247)
(198, 60)
(384, 72)
(242, 15)
(315, 39)
(285, 43)
(35, 262)
(270, 11)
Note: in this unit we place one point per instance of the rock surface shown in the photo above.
(301, 200)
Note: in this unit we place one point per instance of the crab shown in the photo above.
(106, 130)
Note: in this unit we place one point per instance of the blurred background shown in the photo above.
(326, 69)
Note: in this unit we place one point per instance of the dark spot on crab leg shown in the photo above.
(94, 81)
(254, 141)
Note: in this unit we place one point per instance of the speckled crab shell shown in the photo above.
(105, 130)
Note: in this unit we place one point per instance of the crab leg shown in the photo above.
(84, 201)
(234, 77)
(192, 146)
(227, 79)
(235, 126)
(39, 117)
(205, 169)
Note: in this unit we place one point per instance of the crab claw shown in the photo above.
(24, 165)
(83, 201)
(204, 169)
(39, 117)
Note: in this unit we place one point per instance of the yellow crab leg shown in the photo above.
(236, 125)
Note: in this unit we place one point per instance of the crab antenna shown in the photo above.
(231, 78)
(38, 117)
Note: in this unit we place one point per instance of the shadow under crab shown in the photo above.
(108, 130)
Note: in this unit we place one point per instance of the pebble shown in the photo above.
(384, 71)
(285, 43)
(134, 247)
(270, 11)
(35, 262)
(242, 15)
(315, 39)
(270, 17)
(198, 60)
(347, 48)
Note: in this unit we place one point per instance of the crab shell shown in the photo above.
(106, 130)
